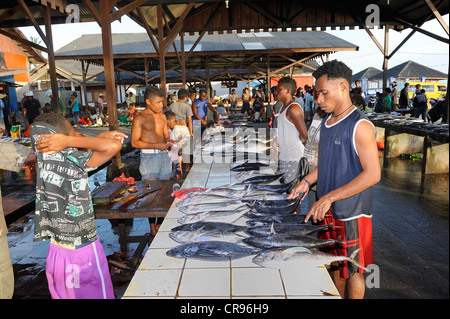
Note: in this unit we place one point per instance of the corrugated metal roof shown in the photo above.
(132, 43)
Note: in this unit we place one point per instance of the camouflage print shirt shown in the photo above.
(64, 208)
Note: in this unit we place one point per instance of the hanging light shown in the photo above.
(226, 3)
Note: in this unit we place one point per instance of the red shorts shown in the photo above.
(356, 233)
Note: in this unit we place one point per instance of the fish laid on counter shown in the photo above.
(183, 193)
(261, 179)
(205, 199)
(278, 188)
(207, 231)
(228, 206)
(268, 220)
(211, 251)
(240, 166)
(285, 241)
(217, 216)
(298, 258)
(286, 228)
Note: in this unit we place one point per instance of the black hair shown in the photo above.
(152, 91)
(334, 70)
(169, 115)
(56, 120)
(182, 93)
(288, 83)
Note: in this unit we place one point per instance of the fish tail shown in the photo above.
(353, 261)
(338, 240)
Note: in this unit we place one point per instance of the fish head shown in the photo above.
(183, 251)
(267, 257)
(182, 236)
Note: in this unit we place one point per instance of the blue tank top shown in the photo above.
(339, 164)
(202, 107)
(76, 106)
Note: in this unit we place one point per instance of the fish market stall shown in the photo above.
(195, 255)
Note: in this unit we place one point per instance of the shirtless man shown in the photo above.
(150, 133)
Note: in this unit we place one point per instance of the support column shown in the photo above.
(108, 63)
(161, 53)
(51, 59)
(386, 55)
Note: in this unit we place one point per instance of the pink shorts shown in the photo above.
(78, 274)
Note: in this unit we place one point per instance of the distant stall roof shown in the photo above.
(409, 69)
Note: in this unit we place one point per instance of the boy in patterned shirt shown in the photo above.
(76, 265)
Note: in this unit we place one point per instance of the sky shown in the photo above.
(419, 48)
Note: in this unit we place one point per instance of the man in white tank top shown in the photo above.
(291, 129)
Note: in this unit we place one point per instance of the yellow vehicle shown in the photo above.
(433, 90)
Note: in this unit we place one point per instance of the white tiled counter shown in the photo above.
(160, 276)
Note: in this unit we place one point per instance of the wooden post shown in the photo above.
(161, 53)
(51, 59)
(183, 61)
(108, 63)
(386, 55)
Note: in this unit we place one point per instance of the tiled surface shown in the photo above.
(239, 278)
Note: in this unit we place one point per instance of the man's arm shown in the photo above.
(366, 147)
(190, 125)
(104, 147)
(295, 116)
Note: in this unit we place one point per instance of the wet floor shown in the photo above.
(410, 234)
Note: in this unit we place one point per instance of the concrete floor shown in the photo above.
(410, 234)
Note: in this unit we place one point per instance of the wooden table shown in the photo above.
(151, 203)
(160, 276)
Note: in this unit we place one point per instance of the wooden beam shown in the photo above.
(161, 53)
(18, 38)
(51, 59)
(428, 33)
(127, 9)
(148, 29)
(437, 15)
(177, 27)
(29, 14)
(93, 10)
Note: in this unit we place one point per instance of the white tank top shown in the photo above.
(290, 146)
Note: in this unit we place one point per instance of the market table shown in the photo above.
(160, 276)
(148, 202)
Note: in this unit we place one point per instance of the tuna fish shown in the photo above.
(247, 166)
(263, 178)
(285, 241)
(268, 220)
(211, 251)
(229, 206)
(299, 257)
(279, 188)
(209, 226)
(288, 229)
(204, 199)
(218, 216)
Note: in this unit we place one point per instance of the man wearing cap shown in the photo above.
(31, 108)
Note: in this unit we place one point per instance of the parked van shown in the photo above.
(433, 90)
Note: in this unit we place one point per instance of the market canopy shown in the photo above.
(223, 56)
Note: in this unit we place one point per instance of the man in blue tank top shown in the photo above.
(347, 169)
(200, 108)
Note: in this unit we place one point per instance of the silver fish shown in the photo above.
(211, 251)
(204, 199)
(282, 228)
(299, 257)
(277, 218)
(229, 206)
(185, 236)
(285, 241)
(218, 216)
(263, 178)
